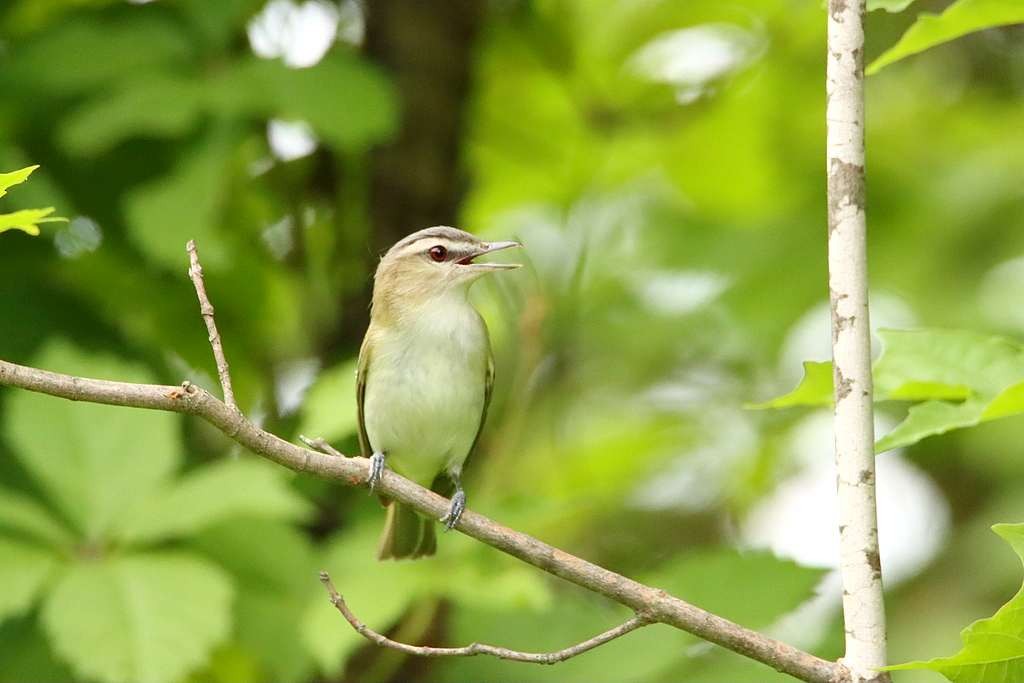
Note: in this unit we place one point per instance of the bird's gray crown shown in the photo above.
(443, 232)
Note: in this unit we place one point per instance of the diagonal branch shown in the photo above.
(195, 273)
(655, 605)
(473, 649)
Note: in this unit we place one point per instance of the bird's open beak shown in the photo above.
(487, 248)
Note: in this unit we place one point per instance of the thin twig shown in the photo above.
(195, 273)
(320, 444)
(473, 649)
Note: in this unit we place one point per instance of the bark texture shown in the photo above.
(863, 605)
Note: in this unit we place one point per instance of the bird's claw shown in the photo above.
(376, 470)
(455, 510)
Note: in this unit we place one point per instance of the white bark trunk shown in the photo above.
(863, 606)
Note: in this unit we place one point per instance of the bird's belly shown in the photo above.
(423, 409)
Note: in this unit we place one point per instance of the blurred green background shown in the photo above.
(663, 164)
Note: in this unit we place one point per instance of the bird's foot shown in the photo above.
(455, 510)
(376, 470)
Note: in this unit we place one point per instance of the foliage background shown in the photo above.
(671, 198)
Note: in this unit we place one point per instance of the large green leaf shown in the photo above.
(93, 461)
(993, 648)
(22, 516)
(8, 180)
(960, 18)
(962, 378)
(148, 618)
(329, 410)
(889, 5)
(184, 204)
(151, 105)
(211, 494)
(346, 101)
(24, 570)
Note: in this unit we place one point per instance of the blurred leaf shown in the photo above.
(24, 570)
(145, 618)
(984, 373)
(182, 205)
(24, 516)
(211, 494)
(329, 409)
(152, 105)
(276, 574)
(815, 389)
(346, 100)
(752, 588)
(8, 180)
(94, 461)
(378, 593)
(26, 655)
(889, 5)
(993, 648)
(960, 18)
(101, 50)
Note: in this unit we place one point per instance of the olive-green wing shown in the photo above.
(488, 389)
(361, 367)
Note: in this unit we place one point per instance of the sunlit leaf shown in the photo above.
(139, 618)
(211, 494)
(993, 648)
(959, 19)
(962, 378)
(889, 5)
(24, 571)
(28, 220)
(8, 180)
(94, 461)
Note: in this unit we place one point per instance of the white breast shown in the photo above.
(425, 390)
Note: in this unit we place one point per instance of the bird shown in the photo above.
(425, 375)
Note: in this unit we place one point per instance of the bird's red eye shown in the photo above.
(438, 253)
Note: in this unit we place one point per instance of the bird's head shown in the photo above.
(434, 262)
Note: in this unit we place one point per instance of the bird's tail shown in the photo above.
(406, 534)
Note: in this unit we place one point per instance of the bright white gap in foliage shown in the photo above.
(81, 236)
(678, 292)
(290, 140)
(691, 58)
(292, 381)
(300, 34)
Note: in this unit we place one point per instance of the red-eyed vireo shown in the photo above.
(425, 374)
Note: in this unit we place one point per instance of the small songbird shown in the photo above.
(425, 374)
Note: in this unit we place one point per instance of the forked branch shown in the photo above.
(473, 649)
(655, 605)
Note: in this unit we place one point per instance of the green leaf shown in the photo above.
(25, 654)
(8, 180)
(963, 378)
(182, 205)
(154, 105)
(24, 571)
(93, 461)
(329, 410)
(993, 648)
(348, 102)
(815, 389)
(960, 18)
(752, 588)
(211, 494)
(148, 618)
(21, 515)
(889, 5)
(28, 220)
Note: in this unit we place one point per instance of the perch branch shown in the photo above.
(195, 273)
(656, 606)
(629, 625)
(859, 566)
